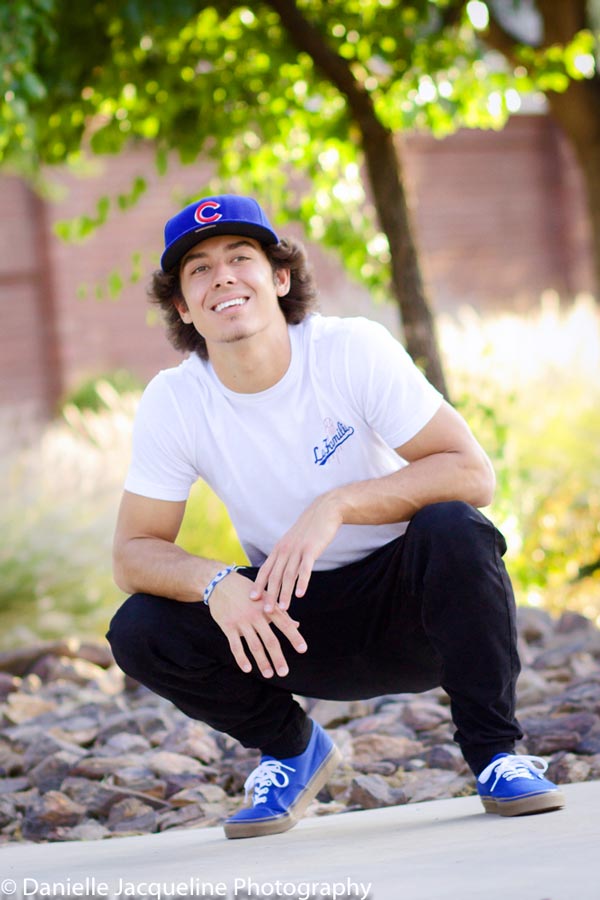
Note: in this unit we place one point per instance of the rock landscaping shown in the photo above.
(86, 754)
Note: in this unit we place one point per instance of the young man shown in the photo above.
(353, 487)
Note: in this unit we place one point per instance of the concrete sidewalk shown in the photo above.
(441, 850)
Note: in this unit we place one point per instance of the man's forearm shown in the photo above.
(155, 566)
(433, 479)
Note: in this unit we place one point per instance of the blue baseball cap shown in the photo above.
(226, 214)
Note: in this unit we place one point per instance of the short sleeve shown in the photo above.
(392, 394)
(162, 465)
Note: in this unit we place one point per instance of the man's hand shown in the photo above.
(288, 567)
(238, 617)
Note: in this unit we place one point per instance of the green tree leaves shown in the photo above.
(282, 96)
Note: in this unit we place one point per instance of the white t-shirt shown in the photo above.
(350, 396)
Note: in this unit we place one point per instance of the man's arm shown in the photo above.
(445, 463)
(146, 559)
(145, 556)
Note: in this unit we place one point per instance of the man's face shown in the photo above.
(230, 290)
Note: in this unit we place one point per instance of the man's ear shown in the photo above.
(282, 282)
(182, 308)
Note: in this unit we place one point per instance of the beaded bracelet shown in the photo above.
(218, 577)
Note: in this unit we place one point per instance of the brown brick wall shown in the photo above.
(499, 215)
(28, 368)
(101, 335)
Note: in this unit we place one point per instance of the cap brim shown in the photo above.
(173, 254)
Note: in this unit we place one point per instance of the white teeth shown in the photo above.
(238, 301)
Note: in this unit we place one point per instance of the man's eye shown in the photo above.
(199, 269)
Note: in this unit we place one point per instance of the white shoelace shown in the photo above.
(510, 767)
(269, 773)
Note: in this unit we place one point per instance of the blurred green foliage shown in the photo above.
(547, 500)
(96, 392)
(225, 81)
(207, 530)
(530, 389)
(60, 499)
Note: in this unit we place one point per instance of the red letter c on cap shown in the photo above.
(208, 205)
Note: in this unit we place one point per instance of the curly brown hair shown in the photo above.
(301, 299)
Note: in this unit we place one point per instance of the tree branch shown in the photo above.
(562, 20)
(497, 37)
(385, 179)
(308, 39)
(452, 14)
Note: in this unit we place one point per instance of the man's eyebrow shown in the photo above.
(201, 254)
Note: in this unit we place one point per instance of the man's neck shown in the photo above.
(254, 364)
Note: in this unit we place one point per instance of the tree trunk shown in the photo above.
(385, 178)
(590, 166)
(577, 111)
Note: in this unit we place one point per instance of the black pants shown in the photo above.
(433, 607)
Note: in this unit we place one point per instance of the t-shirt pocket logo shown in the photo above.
(335, 435)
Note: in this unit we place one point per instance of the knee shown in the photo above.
(444, 516)
(454, 522)
(130, 630)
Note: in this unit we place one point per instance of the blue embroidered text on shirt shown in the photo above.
(332, 442)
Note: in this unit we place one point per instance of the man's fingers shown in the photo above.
(260, 582)
(283, 574)
(282, 580)
(269, 602)
(255, 640)
(294, 581)
(240, 657)
(274, 582)
(273, 649)
(289, 627)
(258, 587)
(288, 583)
(249, 631)
(304, 574)
(257, 651)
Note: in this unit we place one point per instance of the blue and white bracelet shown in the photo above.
(218, 577)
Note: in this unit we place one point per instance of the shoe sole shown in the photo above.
(277, 824)
(525, 806)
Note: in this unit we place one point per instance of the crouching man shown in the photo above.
(353, 487)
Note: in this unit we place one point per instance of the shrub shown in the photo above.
(530, 389)
(88, 394)
(57, 522)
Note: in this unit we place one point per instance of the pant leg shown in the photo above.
(179, 652)
(433, 607)
(453, 571)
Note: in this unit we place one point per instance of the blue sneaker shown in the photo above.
(283, 788)
(515, 786)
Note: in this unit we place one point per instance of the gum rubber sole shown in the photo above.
(277, 824)
(525, 806)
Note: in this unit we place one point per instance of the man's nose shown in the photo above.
(223, 274)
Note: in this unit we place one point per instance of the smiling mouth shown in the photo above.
(227, 304)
